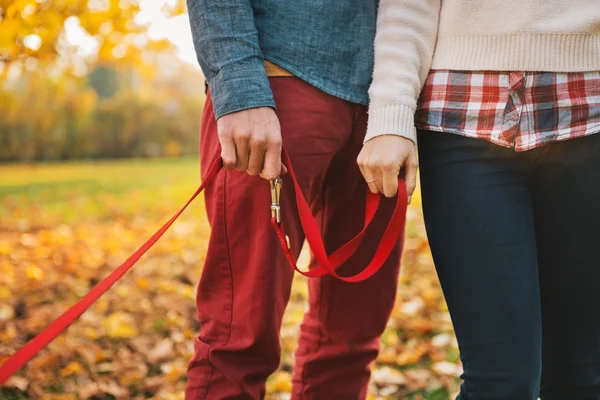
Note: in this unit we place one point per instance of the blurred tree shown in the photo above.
(34, 31)
(49, 118)
(89, 82)
(104, 80)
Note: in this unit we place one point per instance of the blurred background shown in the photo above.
(100, 102)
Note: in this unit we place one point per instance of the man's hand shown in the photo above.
(251, 141)
(381, 161)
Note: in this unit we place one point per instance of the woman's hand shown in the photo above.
(381, 161)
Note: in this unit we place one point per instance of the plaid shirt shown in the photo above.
(522, 110)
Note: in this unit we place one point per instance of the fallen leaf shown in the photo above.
(162, 350)
(17, 382)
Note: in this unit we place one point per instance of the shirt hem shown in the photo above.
(557, 136)
(311, 80)
(470, 134)
(561, 136)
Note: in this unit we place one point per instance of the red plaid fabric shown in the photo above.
(522, 110)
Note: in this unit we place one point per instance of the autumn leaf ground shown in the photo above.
(63, 227)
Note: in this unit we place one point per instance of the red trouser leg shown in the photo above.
(340, 333)
(246, 282)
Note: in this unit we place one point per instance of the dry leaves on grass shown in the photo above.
(134, 343)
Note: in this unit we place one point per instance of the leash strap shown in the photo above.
(24, 354)
(327, 265)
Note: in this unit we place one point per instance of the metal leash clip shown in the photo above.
(275, 195)
(275, 205)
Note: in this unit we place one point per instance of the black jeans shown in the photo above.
(516, 242)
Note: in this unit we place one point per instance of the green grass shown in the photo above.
(9, 394)
(47, 194)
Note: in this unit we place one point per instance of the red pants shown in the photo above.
(246, 281)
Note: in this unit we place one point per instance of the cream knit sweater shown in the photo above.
(414, 36)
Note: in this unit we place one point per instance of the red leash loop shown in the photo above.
(313, 236)
(328, 265)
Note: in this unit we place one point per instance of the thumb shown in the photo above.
(410, 177)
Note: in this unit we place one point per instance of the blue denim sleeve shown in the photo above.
(226, 42)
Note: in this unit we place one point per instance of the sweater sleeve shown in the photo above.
(404, 44)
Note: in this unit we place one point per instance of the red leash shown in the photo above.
(327, 265)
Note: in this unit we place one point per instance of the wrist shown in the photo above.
(393, 119)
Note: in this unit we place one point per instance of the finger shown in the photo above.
(378, 176)
(366, 170)
(242, 150)
(228, 152)
(362, 166)
(390, 183)
(410, 176)
(272, 163)
(257, 156)
(368, 175)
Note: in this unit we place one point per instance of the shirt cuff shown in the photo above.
(394, 119)
(237, 93)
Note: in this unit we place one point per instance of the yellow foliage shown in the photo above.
(34, 272)
(45, 19)
(4, 248)
(120, 325)
(73, 368)
(5, 293)
(142, 282)
(173, 149)
(49, 119)
(280, 382)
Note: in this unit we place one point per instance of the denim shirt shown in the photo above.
(327, 43)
